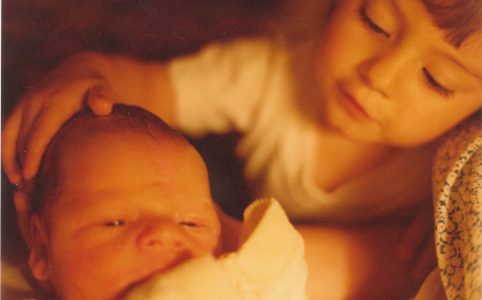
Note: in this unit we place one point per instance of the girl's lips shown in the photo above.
(351, 105)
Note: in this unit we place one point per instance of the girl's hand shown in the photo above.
(41, 112)
(418, 245)
(24, 213)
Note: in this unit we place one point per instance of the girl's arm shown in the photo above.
(101, 79)
(356, 262)
(346, 262)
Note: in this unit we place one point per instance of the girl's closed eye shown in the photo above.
(367, 21)
(435, 85)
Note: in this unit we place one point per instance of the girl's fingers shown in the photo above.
(48, 121)
(37, 141)
(9, 146)
(22, 207)
(43, 129)
(38, 116)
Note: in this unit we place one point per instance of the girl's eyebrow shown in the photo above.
(466, 67)
(467, 58)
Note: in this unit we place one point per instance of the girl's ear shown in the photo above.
(39, 259)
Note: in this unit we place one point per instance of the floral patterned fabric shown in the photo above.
(458, 209)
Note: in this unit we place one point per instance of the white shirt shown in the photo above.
(247, 86)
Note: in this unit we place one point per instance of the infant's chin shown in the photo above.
(140, 283)
(146, 278)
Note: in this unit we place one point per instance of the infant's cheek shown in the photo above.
(210, 245)
(92, 274)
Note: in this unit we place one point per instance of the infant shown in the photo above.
(119, 199)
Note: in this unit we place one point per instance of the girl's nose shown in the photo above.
(383, 70)
(162, 235)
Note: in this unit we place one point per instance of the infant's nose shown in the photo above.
(162, 234)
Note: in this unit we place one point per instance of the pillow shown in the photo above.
(457, 182)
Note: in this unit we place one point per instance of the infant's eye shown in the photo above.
(114, 223)
(190, 224)
(369, 22)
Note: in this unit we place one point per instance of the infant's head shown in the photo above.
(117, 199)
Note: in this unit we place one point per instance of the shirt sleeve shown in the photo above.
(217, 89)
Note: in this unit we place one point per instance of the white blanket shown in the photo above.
(268, 265)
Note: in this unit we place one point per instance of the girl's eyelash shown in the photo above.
(433, 83)
(368, 22)
(114, 223)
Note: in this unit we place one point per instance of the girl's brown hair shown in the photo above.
(458, 18)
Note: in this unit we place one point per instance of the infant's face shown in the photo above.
(127, 208)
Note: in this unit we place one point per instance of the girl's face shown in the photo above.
(388, 76)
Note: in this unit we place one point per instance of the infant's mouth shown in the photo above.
(183, 256)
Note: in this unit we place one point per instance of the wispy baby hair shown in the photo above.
(123, 120)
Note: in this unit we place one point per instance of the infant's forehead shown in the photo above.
(121, 122)
(87, 142)
(99, 135)
(117, 147)
(89, 131)
(123, 161)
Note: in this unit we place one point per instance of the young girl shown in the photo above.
(342, 130)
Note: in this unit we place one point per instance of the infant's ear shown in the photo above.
(38, 259)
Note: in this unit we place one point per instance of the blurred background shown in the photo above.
(38, 34)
